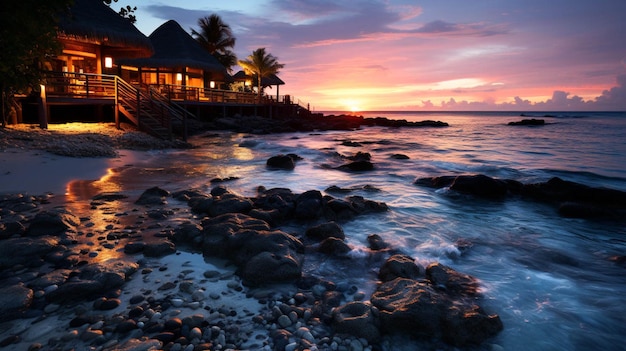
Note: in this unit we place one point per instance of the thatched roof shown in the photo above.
(175, 48)
(265, 81)
(94, 21)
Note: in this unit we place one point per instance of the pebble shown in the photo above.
(284, 321)
(51, 308)
(177, 302)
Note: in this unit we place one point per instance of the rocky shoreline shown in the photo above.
(113, 274)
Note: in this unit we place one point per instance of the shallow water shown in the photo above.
(550, 278)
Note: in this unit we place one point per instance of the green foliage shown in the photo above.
(217, 39)
(28, 36)
(261, 65)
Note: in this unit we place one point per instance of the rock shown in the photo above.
(159, 249)
(376, 242)
(154, 196)
(268, 267)
(399, 266)
(281, 162)
(229, 203)
(132, 248)
(528, 122)
(334, 247)
(104, 304)
(400, 157)
(357, 319)
(325, 231)
(419, 309)
(308, 205)
(357, 166)
(52, 223)
(480, 185)
(27, 251)
(444, 277)
(14, 300)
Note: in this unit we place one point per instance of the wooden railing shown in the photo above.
(80, 85)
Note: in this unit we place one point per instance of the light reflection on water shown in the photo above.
(548, 277)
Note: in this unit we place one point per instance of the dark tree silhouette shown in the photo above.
(261, 65)
(217, 39)
(28, 36)
(126, 12)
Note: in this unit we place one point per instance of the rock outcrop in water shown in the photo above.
(572, 199)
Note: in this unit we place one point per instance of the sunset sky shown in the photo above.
(427, 55)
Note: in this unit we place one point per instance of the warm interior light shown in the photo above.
(179, 77)
(108, 62)
(212, 85)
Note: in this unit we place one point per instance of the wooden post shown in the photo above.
(117, 105)
(43, 108)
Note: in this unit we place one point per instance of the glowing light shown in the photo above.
(108, 62)
(179, 77)
(212, 85)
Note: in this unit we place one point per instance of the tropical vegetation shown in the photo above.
(217, 39)
(261, 64)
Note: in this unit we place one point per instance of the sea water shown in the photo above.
(551, 279)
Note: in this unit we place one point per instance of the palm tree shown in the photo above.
(261, 65)
(216, 37)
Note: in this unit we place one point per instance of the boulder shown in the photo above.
(27, 251)
(453, 282)
(528, 122)
(159, 248)
(357, 166)
(399, 266)
(480, 185)
(268, 267)
(14, 300)
(376, 242)
(308, 205)
(417, 308)
(52, 222)
(358, 319)
(325, 230)
(154, 196)
(281, 162)
(229, 203)
(334, 247)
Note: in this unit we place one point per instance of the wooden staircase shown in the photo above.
(150, 111)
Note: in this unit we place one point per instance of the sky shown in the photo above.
(383, 55)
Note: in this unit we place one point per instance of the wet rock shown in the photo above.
(334, 247)
(281, 162)
(134, 247)
(325, 230)
(154, 196)
(358, 319)
(376, 242)
(419, 309)
(444, 277)
(400, 157)
(268, 267)
(27, 251)
(229, 203)
(104, 304)
(107, 197)
(528, 122)
(399, 266)
(480, 185)
(308, 205)
(14, 300)
(159, 249)
(357, 166)
(52, 222)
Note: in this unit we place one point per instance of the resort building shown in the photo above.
(109, 70)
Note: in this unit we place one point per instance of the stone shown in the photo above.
(357, 319)
(268, 267)
(159, 249)
(480, 186)
(528, 122)
(154, 196)
(399, 266)
(308, 205)
(281, 162)
(52, 222)
(453, 282)
(357, 166)
(334, 247)
(325, 230)
(27, 251)
(376, 242)
(14, 300)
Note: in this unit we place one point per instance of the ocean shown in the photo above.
(551, 279)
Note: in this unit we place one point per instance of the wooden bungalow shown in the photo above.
(179, 68)
(94, 37)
